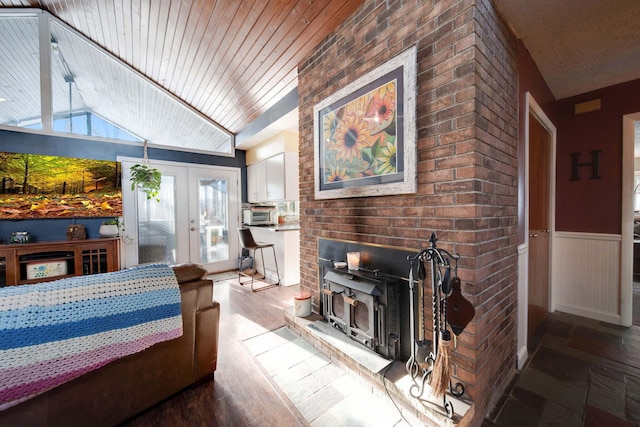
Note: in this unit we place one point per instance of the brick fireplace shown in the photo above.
(466, 159)
(371, 309)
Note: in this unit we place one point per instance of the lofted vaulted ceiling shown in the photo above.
(228, 60)
(231, 60)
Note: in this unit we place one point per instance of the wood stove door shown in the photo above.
(361, 326)
(333, 306)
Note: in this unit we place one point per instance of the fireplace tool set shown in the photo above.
(450, 310)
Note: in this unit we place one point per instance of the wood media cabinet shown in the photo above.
(26, 263)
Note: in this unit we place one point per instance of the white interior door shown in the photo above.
(166, 231)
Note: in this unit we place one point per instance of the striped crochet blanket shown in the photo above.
(53, 332)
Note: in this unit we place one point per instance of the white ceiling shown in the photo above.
(288, 122)
(578, 45)
(135, 103)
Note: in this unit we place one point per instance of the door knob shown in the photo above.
(533, 235)
(193, 229)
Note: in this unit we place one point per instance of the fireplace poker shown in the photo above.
(441, 374)
(411, 365)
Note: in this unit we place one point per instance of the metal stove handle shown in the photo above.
(382, 325)
(351, 301)
(327, 302)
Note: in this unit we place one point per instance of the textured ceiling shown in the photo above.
(578, 45)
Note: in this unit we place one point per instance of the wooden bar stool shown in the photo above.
(247, 242)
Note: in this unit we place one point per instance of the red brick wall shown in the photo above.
(467, 163)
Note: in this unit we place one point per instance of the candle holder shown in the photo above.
(353, 260)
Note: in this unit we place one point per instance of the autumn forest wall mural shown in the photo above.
(35, 186)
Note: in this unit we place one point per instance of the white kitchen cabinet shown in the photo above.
(276, 178)
(256, 182)
(273, 179)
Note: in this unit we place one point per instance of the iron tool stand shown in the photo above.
(441, 287)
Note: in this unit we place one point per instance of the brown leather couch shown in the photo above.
(128, 386)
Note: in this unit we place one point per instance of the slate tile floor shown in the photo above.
(580, 372)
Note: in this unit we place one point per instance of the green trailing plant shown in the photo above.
(147, 179)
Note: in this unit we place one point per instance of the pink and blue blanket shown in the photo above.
(53, 332)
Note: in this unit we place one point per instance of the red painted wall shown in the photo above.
(593, 205)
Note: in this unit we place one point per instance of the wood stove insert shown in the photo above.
(364, 308)
(384, 267)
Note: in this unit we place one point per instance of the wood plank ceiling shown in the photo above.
(229, 60)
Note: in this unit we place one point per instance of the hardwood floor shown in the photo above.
(240, 395)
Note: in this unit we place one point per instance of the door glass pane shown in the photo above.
(157, 224)
(214, 219)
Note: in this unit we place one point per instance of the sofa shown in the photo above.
(127, 386)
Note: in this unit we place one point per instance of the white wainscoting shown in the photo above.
(523, 302)
(586, 275)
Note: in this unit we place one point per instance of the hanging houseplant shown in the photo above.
(146, 178)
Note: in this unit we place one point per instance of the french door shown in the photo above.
(198, 207)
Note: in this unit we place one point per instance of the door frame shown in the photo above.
(533, 108)
(626, 228)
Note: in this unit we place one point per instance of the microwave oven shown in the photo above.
(259, 216)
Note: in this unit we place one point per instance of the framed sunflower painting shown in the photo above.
(365, 134)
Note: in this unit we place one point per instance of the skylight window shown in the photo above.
(85, 123)
(91, 93)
